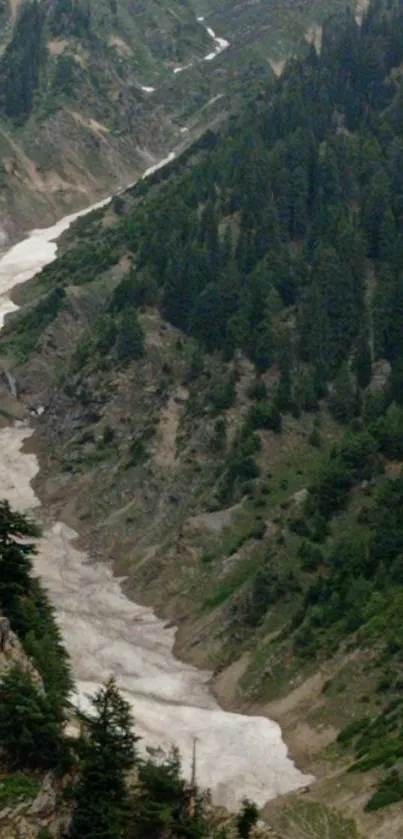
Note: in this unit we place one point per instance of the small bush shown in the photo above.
(258, 392)
(315, 439)
(389, 791)
(138, 453)
(264, 415)
(352, 729)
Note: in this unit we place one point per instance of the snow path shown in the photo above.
(106, 633)
(220, 45)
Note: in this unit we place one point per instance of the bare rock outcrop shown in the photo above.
(26, 819)
(12, 653)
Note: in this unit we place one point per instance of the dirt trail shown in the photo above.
(167, 430)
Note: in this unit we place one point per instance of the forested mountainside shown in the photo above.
(76, 116)
(91, 93)
(219, 354)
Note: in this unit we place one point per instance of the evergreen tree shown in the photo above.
(31, 725)
(207, 321)
(343, 399)
(376, 203)
(363, 360)
(246, 819)
(25, 603)
(15, 557)
(22, 62)
(262, 345)
(164, 804)
(130, 336)
(107, 751)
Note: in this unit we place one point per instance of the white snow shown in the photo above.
(147, 89)
(106, 633)
(181, 69)
(159, 165)
(221, 43)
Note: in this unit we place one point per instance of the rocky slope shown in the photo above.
(92, 93)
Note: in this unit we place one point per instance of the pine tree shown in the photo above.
(246, 819)
(31, 725)
(164, 804)
(262, 344)
(15, 557)
(107, 751)
(26, 604)
(130, 337)
(376, 201)
(363, 360)
(343, 399)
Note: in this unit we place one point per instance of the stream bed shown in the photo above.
(106, 633)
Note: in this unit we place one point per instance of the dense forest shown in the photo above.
(281, 238)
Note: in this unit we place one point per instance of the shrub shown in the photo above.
(389, 791)
(264, 415)
(310, 555)
(130, 337)
(258, 391)
(246, 819)
(347, 734)
(222, 395)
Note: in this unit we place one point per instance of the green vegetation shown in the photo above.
(390, 790)
(310, 820)
(247, 819)
(25, 603)
(21, 63)
(274, 246)
(17, 787)
(376, 739)
(26, 331)
(31, 726)
(107, 752)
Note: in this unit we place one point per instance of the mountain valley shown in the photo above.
(94, 93)
(212, 365)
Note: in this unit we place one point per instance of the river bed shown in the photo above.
(106, 633)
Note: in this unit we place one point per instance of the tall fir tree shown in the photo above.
(107, 751)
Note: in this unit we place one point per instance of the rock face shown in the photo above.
(4, 634)
(12, 653)
(26, 819)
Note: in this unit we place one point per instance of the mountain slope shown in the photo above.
(76, 118)
(92, 93)
(219, 354)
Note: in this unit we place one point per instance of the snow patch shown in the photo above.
(221, 43)
(181, 69)
(159, 165)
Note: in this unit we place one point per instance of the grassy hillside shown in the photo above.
(219, 354)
